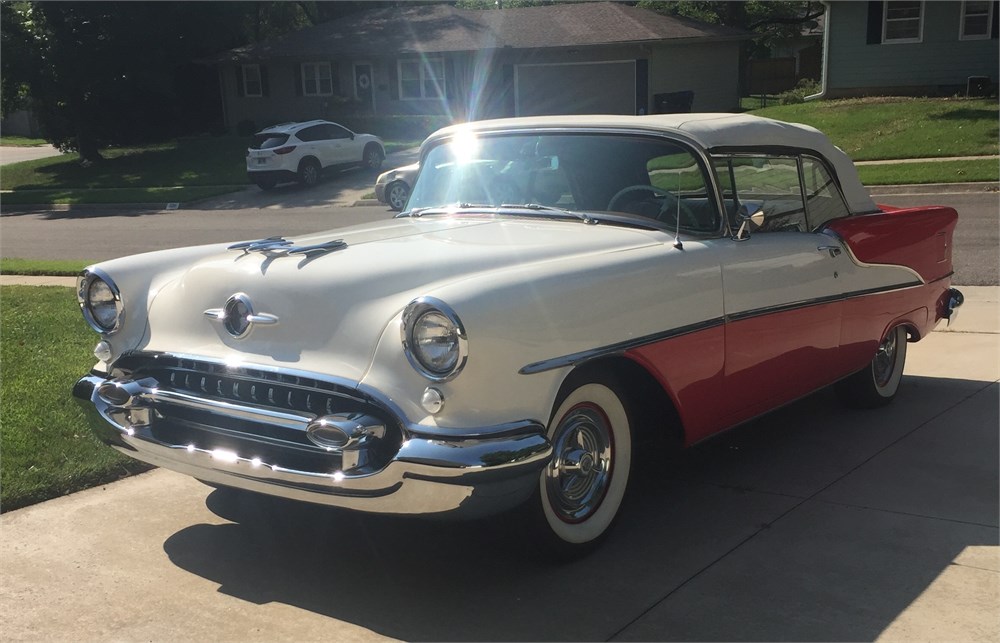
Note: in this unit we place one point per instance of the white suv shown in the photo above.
(301, 151)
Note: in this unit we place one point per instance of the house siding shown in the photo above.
(941, 62)
(481, 84)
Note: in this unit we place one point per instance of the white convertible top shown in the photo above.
(710, 131)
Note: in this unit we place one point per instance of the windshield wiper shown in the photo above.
(548, 208)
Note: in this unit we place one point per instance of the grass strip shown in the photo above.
(72, 196)
(21, 141)
(37, 267)
(48, 448)
(931, 172)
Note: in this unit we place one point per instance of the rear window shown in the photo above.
(268, 141)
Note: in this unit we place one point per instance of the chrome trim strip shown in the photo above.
(617, 348)
(808, 303)
(288, 419)
(861, 264)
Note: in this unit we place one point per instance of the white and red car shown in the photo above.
(303, 151)
(558, 289)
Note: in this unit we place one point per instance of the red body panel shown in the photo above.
(712, 393)
(918, 238)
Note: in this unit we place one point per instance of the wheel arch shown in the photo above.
(309, 158)
(652, 409)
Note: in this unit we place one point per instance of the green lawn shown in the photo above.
(21, 141)
(12, 266)
(900, 128)
(48, 449)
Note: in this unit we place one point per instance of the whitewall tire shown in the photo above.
(876, 384)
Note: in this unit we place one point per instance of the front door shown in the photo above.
(364, 85)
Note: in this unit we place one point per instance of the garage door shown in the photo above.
(583, 88)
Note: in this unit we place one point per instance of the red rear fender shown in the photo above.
(918, 238)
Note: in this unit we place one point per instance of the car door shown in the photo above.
(343, 146)
(312, 144)
(782, 290)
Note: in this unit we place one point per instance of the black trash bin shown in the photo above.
(673, 102)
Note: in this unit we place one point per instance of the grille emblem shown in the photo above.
(238, 316)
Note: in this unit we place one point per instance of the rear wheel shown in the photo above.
(876, 384)
(397, 194)
(580, 492)
(309, 172)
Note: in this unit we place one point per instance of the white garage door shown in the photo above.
(577, 88)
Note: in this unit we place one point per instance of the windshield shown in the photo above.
(634, 176)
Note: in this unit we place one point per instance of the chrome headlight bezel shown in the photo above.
(83, 296)
(413, 314)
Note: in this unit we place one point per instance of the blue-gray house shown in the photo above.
(910, 47)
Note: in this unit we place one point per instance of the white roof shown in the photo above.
(709, 131)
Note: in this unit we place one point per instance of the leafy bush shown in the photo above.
(397, 128)
(246, 127)
(805, 87)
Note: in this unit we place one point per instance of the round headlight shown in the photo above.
(100, 301)
(434, 339)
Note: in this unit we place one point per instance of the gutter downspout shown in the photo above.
(222, 96)
(826, 54)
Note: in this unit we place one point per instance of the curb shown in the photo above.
(935, 188)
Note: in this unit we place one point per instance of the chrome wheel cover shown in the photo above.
(885, 360)
(578, 477)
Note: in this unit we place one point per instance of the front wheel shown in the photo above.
(581, 490)
(397, 194)
(876, 384)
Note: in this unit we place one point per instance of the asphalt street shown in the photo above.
(97, 234)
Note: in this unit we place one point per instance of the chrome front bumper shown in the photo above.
(427, 475)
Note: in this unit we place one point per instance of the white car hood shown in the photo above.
(332, 308)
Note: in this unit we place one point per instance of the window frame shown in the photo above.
(246, 82)
(423, 67)
(902, 41)
(986, 35)
(798, 155)
(318, 78)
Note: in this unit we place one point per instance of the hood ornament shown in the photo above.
(238, 316)
(280, 245)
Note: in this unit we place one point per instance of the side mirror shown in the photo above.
(748, 221)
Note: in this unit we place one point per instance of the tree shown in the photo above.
(101, 73)
(770, 19)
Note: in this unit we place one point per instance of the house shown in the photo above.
(910, 47)
(594, 57)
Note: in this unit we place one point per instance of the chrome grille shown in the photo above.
(281, 445)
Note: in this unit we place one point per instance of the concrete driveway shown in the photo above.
(16, 154)
(812, 523)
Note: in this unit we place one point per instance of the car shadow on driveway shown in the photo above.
(812, 523)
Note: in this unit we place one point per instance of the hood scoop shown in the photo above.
(279, 246)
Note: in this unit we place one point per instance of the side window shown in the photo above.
(336, 131)
(770, 183)
(688, 196)
(308, 134)
(823, 198)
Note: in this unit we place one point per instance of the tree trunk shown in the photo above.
(86, 147)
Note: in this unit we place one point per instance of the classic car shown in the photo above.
(559, 291)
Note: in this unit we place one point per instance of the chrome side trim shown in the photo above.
(862, 264)
(617, 348)
(819, 301)
(621, 347)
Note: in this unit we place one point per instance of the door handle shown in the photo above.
(833, 250)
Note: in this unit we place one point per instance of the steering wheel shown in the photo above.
(671, 204)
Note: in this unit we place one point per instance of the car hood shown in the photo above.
(329, 309)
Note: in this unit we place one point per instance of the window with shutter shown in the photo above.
(252, 85)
